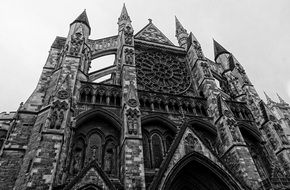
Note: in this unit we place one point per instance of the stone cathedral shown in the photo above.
(168, 118)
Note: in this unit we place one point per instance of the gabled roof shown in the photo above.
(99, 172)
(83, 18)
(171, 152)
(152, 34)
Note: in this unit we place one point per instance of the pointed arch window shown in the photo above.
(157, 150)
(110, 158)
(146, 149)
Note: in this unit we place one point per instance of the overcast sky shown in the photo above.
(257, 32)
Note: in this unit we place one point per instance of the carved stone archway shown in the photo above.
(196, 171)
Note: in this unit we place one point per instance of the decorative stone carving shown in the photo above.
(77, 41)
(132, 120)
(53, 119)
(281, 133)
(153, 34)
(57, 115)
(198, 49)
(234, 130)
(191, 144)
(162, 72)
(205, 69)
(128, 35)
(129, 56)
(63, 94)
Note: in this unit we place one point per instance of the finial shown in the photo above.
(179, 28)
(269, 100)
(280, 99)
(124, 14)
(150, 20)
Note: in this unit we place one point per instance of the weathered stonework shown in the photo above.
(168, 118)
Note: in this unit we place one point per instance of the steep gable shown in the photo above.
(185, 143)
(92, 174)
(151, 33)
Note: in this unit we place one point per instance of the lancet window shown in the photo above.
(157, 140)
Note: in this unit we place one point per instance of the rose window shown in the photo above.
(162, 72)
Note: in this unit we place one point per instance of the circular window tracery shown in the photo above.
(162, 72)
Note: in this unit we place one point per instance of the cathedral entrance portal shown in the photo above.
(197, 172)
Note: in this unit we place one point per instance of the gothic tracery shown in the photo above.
(162, 72)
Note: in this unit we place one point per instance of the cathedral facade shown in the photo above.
(168, 118)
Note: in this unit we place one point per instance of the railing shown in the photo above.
(102, 94)
(275, 183)
(240, 111)
(159, 102)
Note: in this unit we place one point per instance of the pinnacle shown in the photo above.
(83, 18)
(124, 14)
(280, 99)
(268, 98)
(178, 26)
(218, 49)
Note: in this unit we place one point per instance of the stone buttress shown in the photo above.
(132, 169)
(242, 89)
(232, 149)
(48, 143)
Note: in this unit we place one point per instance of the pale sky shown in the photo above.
(257, 32)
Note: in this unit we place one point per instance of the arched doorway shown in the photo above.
(90, 187)
(195, 171)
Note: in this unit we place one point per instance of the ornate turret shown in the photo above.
(181, 34)
(280, 99)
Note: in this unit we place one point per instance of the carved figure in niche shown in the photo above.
(129, 56)
(132, 121)
(53, 120)
(108, 161)
(130, 124)
(128, 34)
(77, 162)
(77, 41)
(94, 150)
(60, 120)
(191, 144)
(198, 49)
(131, 96)
(205, 69)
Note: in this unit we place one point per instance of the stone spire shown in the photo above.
(269, 100)
(124, 18)
(180, 33)
(218, 49)
(82, 18)
(280, 99)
